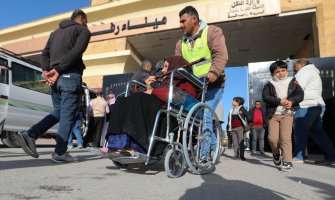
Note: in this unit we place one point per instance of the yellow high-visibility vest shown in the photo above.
(200, 50)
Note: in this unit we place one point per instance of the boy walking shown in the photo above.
(282, 96)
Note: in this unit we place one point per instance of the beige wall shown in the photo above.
(325, 22)
(324, 40)
(107, 46)
(99, 2)
(34, 35)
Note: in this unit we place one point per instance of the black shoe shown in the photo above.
(28, 144)
(91, 144)
(66, 157)
(286, 167)
(277, 159)
(242, 158)
(236, 157)
(324, 162)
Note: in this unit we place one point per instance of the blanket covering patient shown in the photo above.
(132, 119)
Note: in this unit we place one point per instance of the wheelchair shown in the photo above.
(185, 142)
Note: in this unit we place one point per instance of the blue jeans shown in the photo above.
(212, 98)
(307, 122)
(65, 94)
(76, 130)
(258, 134)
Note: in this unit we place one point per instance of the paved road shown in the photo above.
(23, 177)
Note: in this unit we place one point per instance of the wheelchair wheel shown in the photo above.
(174, 163)
(193, 139)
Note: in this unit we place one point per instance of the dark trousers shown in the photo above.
(98, 125)
(308, 123)
(65, 94)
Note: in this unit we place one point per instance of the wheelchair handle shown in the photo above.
(183, 66)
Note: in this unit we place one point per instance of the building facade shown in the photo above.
(125, 32)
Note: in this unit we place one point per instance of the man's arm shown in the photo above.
(178, 51)
(45, 58)
(78, 49)
(217, 45)
(143, 76)
(303, 78)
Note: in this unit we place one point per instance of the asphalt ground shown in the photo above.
(23, 177)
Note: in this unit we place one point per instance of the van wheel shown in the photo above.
(9, 139)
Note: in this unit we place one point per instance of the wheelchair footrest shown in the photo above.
(136, 157)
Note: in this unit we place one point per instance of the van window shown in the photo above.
(3, 71)
(23, 76)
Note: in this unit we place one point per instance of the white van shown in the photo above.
(23, 99)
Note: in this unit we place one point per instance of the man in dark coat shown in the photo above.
(144, 72)
(63, 68)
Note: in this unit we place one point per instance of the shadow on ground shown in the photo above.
(18, 162)
(140, 168)
(323, 188)
(216, 187)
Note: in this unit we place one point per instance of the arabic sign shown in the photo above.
(252, 8)
(127, 26)
(213, 12)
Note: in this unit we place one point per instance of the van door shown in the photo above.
(29, 100)
(86, 98)
(4, 90)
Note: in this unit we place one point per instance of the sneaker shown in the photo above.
(253, 153)
(286, 167)
(247, 149)
(66, 157)
(262, 153)
(204, 161)
(28, 144)
(324, 162)
(70, 146)
(80, 146)
(296, 160)
(277, 159)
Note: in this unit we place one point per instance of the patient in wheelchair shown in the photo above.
(132, 119)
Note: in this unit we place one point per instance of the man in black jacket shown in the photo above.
(144, 72)
(63, 67)
(142, 75)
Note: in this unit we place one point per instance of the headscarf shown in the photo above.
(111, 98)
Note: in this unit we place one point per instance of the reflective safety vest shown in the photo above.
(200, 50)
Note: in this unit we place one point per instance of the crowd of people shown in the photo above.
(290, 103)
(125, 124)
